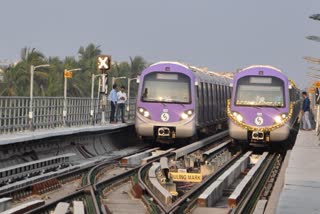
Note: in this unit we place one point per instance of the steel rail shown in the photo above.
(177, 204)
(246, 205)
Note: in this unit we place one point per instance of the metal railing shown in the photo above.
(48, 113)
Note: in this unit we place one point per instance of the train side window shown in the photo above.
(225, 97)
(197, 87)
(201, 103)
(218, 101)
(205, 102)
(214, 101)
(291, 94)
(210, 101)
(221, 100)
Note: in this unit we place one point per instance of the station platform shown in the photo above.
(301, 188)
(46, 133)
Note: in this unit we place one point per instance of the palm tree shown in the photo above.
(55, 79)
(138, 64)
(16, 80)
(33, 57)
(12, 81)
(80, 84)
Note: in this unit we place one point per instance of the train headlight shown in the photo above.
(144, 112)
(186, 114)
(280, 118)
(238, 116)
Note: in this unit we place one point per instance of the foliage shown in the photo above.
(49, 81)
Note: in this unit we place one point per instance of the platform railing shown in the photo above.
(48, 113)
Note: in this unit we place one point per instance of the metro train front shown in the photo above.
(264, 106)
(165, 105)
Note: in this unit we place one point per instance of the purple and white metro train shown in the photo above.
(264, 106)
(175, 101)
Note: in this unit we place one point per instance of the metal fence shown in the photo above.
(48, 113)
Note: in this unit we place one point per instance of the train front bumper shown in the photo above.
(242, 134)
(149, 128)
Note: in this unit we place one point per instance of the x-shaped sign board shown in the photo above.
(104, 62)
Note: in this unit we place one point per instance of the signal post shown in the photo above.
(104, 64)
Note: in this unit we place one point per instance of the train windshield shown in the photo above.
(166, 88)
(260, 91)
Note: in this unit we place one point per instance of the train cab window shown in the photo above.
(166, 88)
(265, 91)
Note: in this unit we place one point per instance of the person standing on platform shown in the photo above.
(113, 98)
(306, 125)
(122, 98)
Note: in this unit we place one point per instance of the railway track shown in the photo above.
(235, 186)
(68, 186)
(129, 178)
(163, 197)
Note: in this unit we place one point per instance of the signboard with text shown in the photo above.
(186, 177)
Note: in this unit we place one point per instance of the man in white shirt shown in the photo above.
(122, 98)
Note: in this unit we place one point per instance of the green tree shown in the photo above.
(17, 77)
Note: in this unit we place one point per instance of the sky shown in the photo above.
(220, 35)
